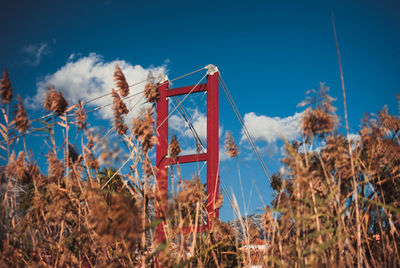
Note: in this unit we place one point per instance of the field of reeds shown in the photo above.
(336, 201)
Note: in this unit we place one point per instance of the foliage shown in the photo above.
(85, 213)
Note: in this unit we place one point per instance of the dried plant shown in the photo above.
(22, 123)
(16, 167)
(90, 160)
(143, 129)
(223, 231)
(71, 218)
(55, 101)
(316, 195)
(317, 122)
(6, 89)
(192, 193)
(252, 231)
(56, 167)
(174, 148)
(148, 169)
(90, 139)
(230, 145)
(81, 116)
(320, 118)
(199, 147)
(119, 109)
(72, 156)
(120, 81)
(151, 92)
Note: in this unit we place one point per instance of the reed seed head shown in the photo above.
(192, 192)
(174, 148)
(199, 147)
(56, 168)
(81, 116)
(55, 101)
(16, 167)
(317, 122)
(388, 121)
(119, 109)
(151, 92)
(143, 129)
(73, 156)
(22, 123)
(120, 81)
(148, 169)
(90, 160)
(6, 89)
(230, 145)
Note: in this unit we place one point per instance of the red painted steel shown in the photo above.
(212, 146)
(212, 155)
(185, 90)
(161, 154)
(188, 230)
(187, 159)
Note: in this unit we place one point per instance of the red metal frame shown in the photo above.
(211, 156)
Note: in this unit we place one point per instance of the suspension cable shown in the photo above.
(95, 109)
(245, 130)
(180, 103)
(182, 111)
(132, 85)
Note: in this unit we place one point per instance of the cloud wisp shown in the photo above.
(85, 78)
(35, 52)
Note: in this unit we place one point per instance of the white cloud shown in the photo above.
(354, 137)
(35, 53)
(267, 129)
(270, 129)
(85, 78)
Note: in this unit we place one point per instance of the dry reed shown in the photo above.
(120, 81)
(55, 101)
(5, 88)
(69, 217)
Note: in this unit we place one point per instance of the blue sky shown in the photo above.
(269, 54)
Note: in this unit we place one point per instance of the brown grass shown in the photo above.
(83, 212)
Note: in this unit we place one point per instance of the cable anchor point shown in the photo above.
(211, 69)
(161, 78)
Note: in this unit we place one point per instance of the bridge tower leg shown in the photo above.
(161, 157)
(212, 146)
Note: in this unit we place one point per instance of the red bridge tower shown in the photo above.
(211, 156)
